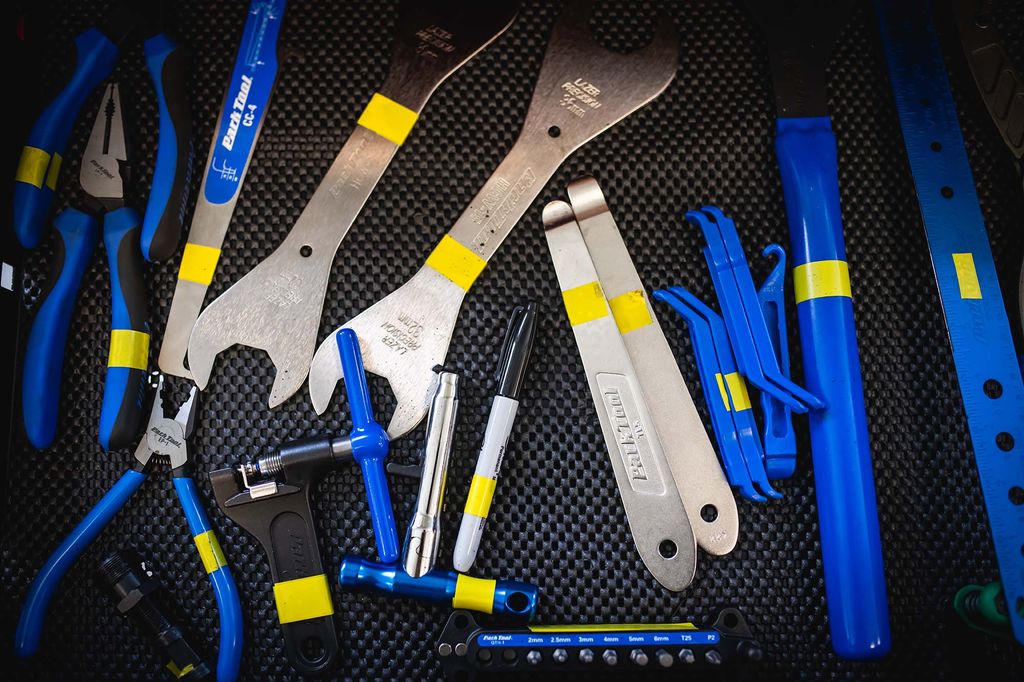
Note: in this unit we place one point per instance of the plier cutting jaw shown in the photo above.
(165, 439)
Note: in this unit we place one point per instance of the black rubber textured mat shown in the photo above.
(556, 520)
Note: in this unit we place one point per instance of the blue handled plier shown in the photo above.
(165, 439)
(95, 53)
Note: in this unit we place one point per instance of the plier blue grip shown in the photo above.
(165, 437)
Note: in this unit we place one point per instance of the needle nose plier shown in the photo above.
(165, 440)
(95, 53)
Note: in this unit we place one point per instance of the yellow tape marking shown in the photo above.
(821, 279)
(32, 166)
(722, 392)
(128, 348)
(210, 551)
(303, 599)
(54, 172)
(475, 594)
(388, 118)
(456, 262)
(198, 263)
(738, 391)
(584, 303)
(481, 491)
(179, 672)
(630, 311)
(612, 627)
(967, 275)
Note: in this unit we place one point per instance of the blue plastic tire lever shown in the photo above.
(732, 417)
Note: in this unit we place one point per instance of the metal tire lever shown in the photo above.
(688, 450)
(655, 511)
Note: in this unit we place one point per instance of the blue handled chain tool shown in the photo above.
(95, 53)
(165, 441)
(105, 172)
(979, 333)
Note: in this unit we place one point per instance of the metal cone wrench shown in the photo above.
(276, 307)
(581, 91)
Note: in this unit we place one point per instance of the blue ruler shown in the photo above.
(986, 365)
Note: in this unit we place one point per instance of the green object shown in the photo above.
(983, 608)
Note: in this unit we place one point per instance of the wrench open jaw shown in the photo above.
(581, 91)
(276, 306)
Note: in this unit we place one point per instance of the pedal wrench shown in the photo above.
(581, 91)
(276, 306)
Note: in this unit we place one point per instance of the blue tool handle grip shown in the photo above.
(229, 606)
(124, 392)
(382, 514)
(847, 511)
(168, 65)
(77, 235)
(369, 445)
(36, 177)
(355, 378)
(33, 613)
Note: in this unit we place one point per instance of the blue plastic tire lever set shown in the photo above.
(676, 490)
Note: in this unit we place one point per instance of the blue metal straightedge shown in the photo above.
(986, 366)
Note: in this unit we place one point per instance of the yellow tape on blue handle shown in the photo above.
(128, 348)
(388, 118)
(303, 599)
(475, 594)
(209, 551)
(821, 279)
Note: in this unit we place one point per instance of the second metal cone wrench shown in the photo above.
(654, 509)
(582, 90)
(694, 466)
(238, 127)
(276, 307)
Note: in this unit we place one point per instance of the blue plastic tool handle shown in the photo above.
(851, 545)
(746, 426)
(779, 435)
(94, 57)
(721, 417)
(124, 391)
(168, 65)
(979, 331)
(510, 598)
(33, 612)
(369, 446)
(228, 605)
(245, 107)
(77, 235)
